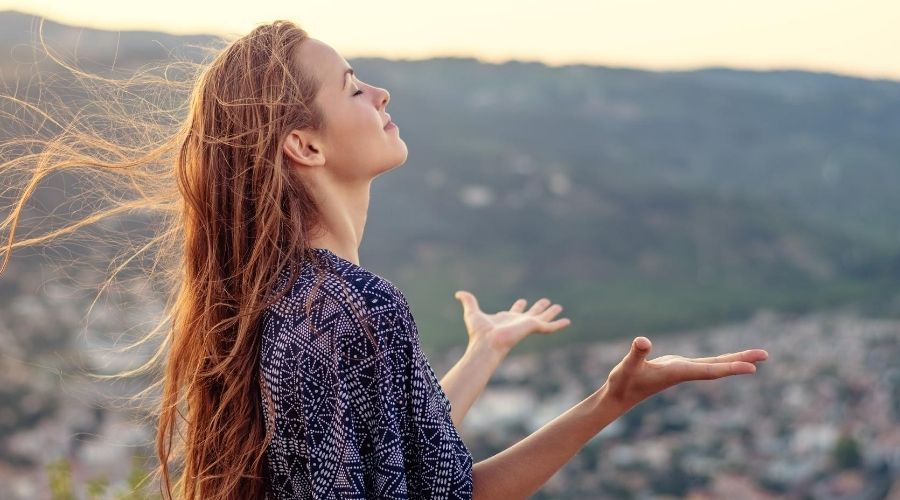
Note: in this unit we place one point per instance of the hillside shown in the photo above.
(640, 200)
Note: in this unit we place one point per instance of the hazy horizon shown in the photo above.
(833, 37)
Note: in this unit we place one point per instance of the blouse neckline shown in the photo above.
(335, 257)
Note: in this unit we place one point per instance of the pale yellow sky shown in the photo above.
(850, 37)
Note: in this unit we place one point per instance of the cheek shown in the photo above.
(345, 126)
(358, 134)
(367, 118)
(365, 125)
(351, 121)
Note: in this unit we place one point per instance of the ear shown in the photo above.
(303, 147)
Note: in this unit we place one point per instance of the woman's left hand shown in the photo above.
(636, 378)
(501, 331)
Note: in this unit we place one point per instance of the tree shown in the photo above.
(846, 453)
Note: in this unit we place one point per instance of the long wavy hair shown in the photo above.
(230, 217)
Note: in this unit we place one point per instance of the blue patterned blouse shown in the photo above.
(350, 423)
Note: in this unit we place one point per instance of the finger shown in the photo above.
(552, 326)
(550, 312)
(518, 306)
(469, 302)
(539, 306)
(717, 359)
(709, 371)
(640, 348)
(749, 356)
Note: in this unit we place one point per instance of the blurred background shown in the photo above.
(714, 175)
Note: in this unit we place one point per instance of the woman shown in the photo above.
(297, 372)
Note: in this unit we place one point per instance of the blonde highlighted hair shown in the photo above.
(230, 216)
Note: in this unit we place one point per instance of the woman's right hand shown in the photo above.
(636, 378)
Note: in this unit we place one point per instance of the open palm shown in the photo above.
(504, 329)
(635, 378)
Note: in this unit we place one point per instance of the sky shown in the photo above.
(857, 38)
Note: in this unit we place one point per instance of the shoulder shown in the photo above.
(333, 279)
(338, 298)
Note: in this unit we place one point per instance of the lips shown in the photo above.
(388, 121)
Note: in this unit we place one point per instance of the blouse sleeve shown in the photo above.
(441, 464)
(368, 417)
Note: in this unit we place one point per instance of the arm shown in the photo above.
(466, 380)
(518, 471)
(491, 337)
(521, 469)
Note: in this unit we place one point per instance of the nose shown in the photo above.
(386, 99)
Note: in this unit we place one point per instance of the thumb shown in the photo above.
(640, 347)
(468, 300)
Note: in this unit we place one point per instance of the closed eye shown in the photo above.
(358, 91)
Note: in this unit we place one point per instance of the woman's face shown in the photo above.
(355, 144)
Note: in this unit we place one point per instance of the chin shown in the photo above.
(402, 158)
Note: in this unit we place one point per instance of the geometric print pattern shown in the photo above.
(355, 416)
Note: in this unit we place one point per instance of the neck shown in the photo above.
(343, 208)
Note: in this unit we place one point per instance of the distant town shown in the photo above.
(820, 418)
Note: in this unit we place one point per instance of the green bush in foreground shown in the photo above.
(59, 473)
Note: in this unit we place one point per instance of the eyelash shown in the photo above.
(358, 92)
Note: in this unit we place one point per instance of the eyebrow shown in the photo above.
(348, 70)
